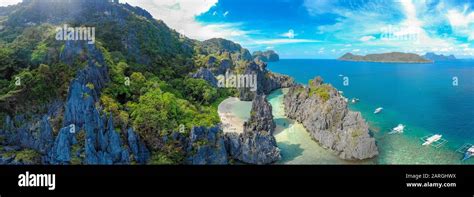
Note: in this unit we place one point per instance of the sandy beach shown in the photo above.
(231, 122)
(295, 143)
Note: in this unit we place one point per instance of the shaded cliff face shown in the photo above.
(324, 113)
(261, 117)
(266, 56)
(256, 145)
(206, 146)
(224, 58)
(87, 136)
(266, 81)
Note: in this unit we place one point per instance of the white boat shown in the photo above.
(432, 139)
(340, 75)
(399, 129)
(469, 153)
(378, 110)
(355, 100)
(341, 92)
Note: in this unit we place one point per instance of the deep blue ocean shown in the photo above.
(429, 99)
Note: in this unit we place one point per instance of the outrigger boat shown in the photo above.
(467, 150)
(378, 110)
(398, 129)
(469, 153)
(355, 100)
(433, 140)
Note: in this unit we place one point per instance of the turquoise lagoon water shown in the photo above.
(420, 96)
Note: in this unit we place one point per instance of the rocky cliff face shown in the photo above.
(324, 113)
(257, 144)
(266, 56)
(206, 74)
(206, 146)
(266, 81)
(235, 60)
(86, 136)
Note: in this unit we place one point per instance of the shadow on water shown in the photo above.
(281, 124)
(289, 151)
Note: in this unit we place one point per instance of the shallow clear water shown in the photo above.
(420, 96)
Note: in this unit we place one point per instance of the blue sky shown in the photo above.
(325, 28)
(330, 28)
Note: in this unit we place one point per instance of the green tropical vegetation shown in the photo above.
(149, 66)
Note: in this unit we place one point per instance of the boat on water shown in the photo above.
(355, 100)
(340, 75)
(378, 110)
(469, 153)
(432, 139)
(399, 129)
(341, 92)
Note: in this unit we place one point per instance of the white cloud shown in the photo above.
(283, 41)
(290, 34)
(459, 19)
(183, 18)
(9, 2)
(462, 22)
(319, 6)
(367, 38)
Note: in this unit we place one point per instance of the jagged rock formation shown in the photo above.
(257, 144)
(206, 74)
(235, 60)
(266, 56)
(324, 113)
(394, 57)
(266, 81)
(261, 117)
(137, 147)
(206, 146)
(100, 144)
(227, 48)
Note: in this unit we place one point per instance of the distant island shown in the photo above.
(266, 56)
(394, 57)
(441, 57)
